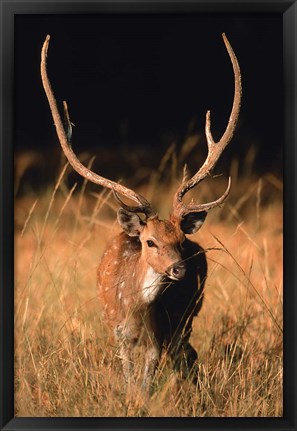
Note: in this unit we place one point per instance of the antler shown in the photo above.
(215, 149)
(143, 205)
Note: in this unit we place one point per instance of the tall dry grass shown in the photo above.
(65, 363)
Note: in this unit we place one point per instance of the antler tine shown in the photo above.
(215, 149)
(143, 205)
(143, 208)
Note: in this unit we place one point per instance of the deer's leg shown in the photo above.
(184, 357)
(126, 340)
(127, 363)
(152, 358)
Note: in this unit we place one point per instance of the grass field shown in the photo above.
(65, 362)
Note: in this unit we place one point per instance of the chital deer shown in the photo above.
(151, 277)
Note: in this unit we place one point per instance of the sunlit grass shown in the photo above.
(65, 361)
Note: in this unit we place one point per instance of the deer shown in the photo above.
(151, 276)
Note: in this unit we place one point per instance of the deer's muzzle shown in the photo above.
(176, 271)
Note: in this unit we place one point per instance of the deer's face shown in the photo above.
(162, 244)
(161, 240)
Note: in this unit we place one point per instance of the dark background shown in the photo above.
(136, 83)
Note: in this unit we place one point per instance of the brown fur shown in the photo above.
(166, 319)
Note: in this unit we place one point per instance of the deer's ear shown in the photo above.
(130, 222)
(193, 222)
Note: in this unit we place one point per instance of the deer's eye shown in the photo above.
(150, 243)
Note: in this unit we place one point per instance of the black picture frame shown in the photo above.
(288, 10)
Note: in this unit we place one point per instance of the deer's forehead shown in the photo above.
(164, 230)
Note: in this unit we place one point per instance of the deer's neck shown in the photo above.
(150, 282)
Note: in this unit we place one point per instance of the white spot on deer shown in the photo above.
(150, 286)
(120, 295)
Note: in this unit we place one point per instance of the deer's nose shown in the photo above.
(176, 271)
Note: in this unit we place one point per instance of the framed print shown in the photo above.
(145, 278)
